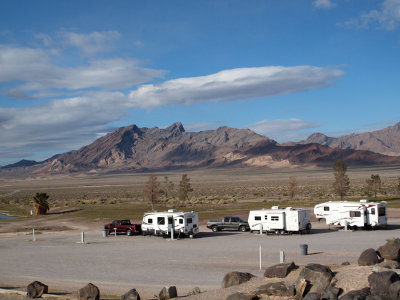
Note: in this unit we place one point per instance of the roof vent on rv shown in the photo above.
(364, 201)
(289, 208)
(275, 207)
(172, 210)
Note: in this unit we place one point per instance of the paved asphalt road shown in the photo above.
(117, 264)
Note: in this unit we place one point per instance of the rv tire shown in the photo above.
(242, 228)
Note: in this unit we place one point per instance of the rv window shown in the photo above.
(257, 218)
(372, 211)
(189, 220)
(381, 212)
(355, 214)
(326, 208)
(180, 221)
(266, 217)
(169, 220)
(274, 218)
(161, 221)
(150, 221)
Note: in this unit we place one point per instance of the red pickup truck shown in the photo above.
(123, 226)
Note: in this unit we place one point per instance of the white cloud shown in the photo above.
(33, 68)
(324, 4)
(91, 43)
(235, 84)
(387, 17)
(284, 130)
(72, 122)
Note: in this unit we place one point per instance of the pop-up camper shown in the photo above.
(280, 220)
(162, 223)
(353, 214)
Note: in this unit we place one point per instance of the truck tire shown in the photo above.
(129, 232)
(242, 228)
(214, 229)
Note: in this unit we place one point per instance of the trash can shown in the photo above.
(303, 249)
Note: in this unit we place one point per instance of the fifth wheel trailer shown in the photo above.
(353, 214)
(162, 223)
(280, 220)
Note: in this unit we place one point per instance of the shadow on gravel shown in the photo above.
(64, 211)
(215, 234)
(391, 227)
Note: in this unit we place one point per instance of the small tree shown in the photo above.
(291, 187)
(168, 187)
(374, 184)
(40, 204)
(341, 185)
(152, 190)
(398, 186)
(184, 188)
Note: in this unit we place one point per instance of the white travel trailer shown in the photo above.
(280, 220)
(353, 214)
(162, 223)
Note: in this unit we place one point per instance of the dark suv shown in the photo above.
(228, 223)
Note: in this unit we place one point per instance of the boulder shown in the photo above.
(279, 270)
(356, 294)
(36, 289)
(368, 257)
(196, 290)
(275, 289)
(235, 278)
(394, 290)
(318, 276)
(391, 250)
(312, 296)
(131, 295)
(89, 292)
(346, 263)
(379, 282)
(370, 297)
(168, 292)
(331, 293)
(242, 296)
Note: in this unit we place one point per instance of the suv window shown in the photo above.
(114, 223)
(226, 219)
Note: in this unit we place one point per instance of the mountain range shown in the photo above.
(137, 149)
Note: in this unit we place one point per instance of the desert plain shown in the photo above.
(85, 202)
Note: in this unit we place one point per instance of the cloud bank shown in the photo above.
(324, 4)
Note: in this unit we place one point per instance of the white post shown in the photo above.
(345, 225)
(172, 229)
(260, 228)
(115, 231)
(82, 237)
(282, 257)
(260, 257)
(33, 235)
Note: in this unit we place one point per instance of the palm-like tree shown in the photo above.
(40, 204)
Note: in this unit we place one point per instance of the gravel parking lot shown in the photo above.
(116, 264)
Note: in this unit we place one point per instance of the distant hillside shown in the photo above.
(146, 149)
(385, 141)
(21, 163)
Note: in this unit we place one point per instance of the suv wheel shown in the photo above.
(129, 232)
(242, 228)
(214, 228)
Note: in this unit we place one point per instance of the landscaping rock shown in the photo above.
(279, 270)
(331, 293)
(394, 290)
(235, 278)
(196, 290)
(275, 289)
(346, 263)
(356, 294)
(391, 250)
(379, 283)
(312, 296)
(318, 276)
(131, 295)
(168, 292)
(368, 257)
(36, 289)
(89, 292)
(242, 296)
(370, 297)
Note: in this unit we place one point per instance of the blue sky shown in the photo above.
(71, 71)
